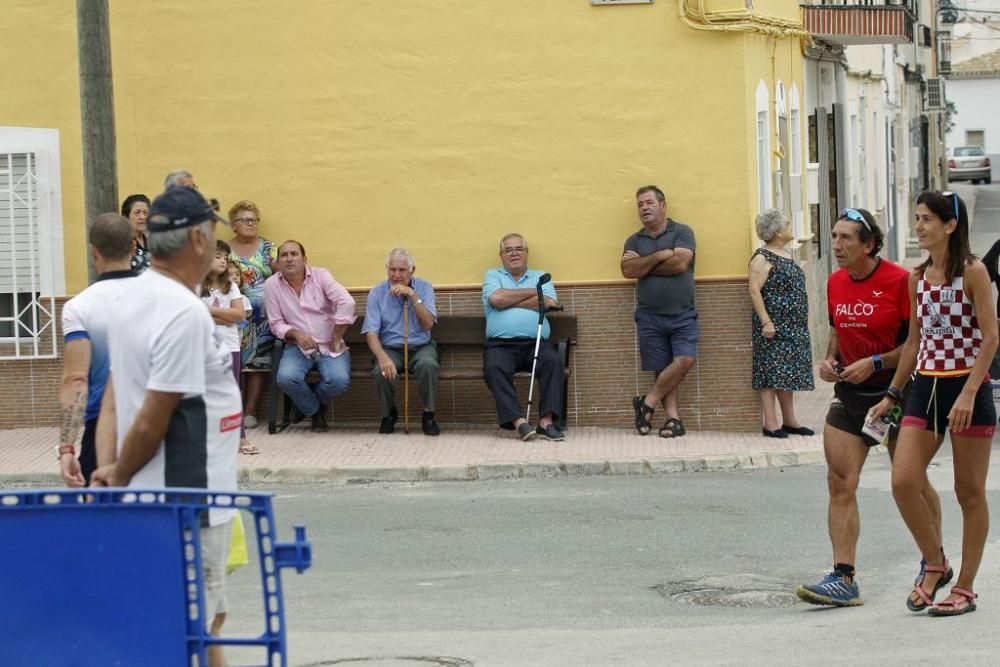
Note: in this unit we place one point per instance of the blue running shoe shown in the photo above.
(833, 590)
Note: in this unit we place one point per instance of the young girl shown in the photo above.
(228, 308)
(951, 342)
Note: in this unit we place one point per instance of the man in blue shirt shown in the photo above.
(510, 301)
(383, 330)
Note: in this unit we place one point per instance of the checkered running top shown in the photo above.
(949, 332)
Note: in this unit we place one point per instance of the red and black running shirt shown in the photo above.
(870, 316)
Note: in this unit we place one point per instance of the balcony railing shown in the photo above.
(849, 22)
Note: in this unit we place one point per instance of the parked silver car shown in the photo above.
(969, 163)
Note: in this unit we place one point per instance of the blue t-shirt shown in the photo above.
(513, 322)
(384, 314)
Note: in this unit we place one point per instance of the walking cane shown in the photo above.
(542, 309)
(406, 365)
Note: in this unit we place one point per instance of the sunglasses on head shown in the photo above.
(954, 199)
(854, 215)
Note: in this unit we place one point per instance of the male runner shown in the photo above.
(869, 308)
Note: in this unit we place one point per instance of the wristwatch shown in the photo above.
(877, 362)
(420, 301)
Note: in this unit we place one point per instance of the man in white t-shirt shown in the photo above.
(171, 412)
(85, 320)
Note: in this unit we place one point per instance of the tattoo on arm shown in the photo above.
(71, 417)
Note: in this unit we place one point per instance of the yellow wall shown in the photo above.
(41, 89)
(771, 60)
(360, 124)
(788, 10)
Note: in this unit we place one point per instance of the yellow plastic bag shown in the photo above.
(238, 556)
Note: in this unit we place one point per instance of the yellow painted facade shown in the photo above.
(358, 125)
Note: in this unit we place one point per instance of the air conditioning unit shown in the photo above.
(934, 100)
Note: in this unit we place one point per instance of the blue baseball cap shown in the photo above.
(178, 208)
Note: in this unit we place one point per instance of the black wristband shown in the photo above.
(894, 394)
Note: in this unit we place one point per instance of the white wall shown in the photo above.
(976, 101)
(975, 34)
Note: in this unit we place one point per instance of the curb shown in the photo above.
(639, 467)
(531, 469)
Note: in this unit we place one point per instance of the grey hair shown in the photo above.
(769, 223)
(174, 177)
(168, 243)
(400, 252)
(513, 235)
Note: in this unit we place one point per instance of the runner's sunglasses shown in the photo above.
(954, 199)
(855, 215)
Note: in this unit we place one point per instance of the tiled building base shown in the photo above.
(715, 396)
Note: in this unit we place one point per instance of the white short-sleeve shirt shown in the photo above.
(87, 316)
(171, 347)
(228, 334)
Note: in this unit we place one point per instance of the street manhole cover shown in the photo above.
(396, 661)
(746, 590)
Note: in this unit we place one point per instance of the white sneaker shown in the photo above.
(249, 421)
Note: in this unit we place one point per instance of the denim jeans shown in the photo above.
(335, 372)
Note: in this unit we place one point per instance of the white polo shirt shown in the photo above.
(163, 340)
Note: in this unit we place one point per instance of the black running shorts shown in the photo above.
(850, 407)
(932, 399)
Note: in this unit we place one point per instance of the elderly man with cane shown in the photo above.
(515, 300)
(399, 316)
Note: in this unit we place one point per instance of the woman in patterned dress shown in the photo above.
(782, 353)
(951, 343)
(257, 258)
(136, 209)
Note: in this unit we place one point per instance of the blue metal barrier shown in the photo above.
(113, 576)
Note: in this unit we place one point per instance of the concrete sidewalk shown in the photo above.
(468, 453)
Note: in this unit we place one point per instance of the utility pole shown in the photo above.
(97, 114)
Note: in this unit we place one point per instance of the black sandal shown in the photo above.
(643, 414)
(672, 428)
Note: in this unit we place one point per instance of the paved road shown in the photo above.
(606, 570)
(986, 217)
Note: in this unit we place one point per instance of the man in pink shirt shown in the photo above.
(310, 311)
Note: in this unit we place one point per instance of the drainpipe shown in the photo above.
(840, 85)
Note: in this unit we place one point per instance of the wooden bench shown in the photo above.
(453, 334)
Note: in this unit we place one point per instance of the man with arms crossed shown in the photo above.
(869, 308)
(85, 320)
(172, 408)
(661, 257)
(510, 303)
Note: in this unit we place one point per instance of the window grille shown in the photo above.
(935, 95)
(27, 299)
